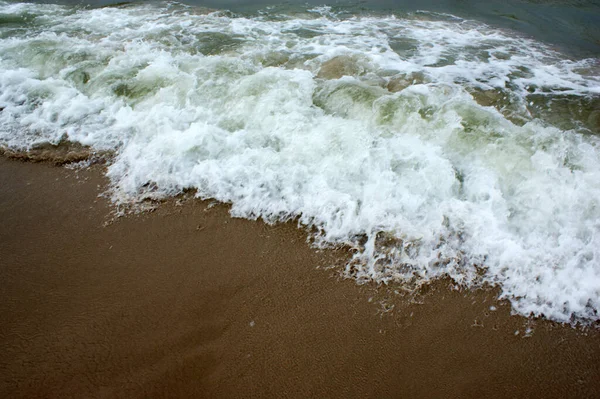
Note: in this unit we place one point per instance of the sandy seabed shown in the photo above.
(186, 301)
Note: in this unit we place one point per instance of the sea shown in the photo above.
(434, 139)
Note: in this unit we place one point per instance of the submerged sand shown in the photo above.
(188, 302)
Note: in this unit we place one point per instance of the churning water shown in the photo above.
(434, 145)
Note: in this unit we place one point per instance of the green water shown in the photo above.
(573, 26)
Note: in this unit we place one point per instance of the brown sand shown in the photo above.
(185, 302)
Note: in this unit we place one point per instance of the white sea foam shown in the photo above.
(425, 182)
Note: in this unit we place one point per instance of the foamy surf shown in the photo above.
(433, 145)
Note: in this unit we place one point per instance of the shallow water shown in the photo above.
(573, 26)
(433, 144)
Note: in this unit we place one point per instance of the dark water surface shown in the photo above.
(571, 26)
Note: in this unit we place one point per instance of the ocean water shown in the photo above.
(436, 142)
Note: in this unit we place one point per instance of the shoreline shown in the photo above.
(185, 301)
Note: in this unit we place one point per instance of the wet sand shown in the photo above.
(188, 302)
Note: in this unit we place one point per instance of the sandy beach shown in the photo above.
(186, 301)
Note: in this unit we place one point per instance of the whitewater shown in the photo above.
(432, 145)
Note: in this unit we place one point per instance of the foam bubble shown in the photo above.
(458, 171)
